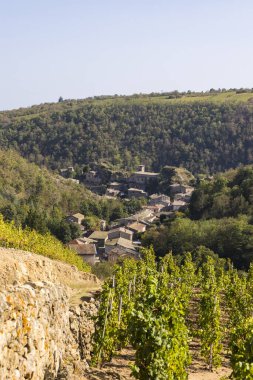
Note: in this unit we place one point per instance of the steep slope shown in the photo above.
(202, 132)
(23, 183)
(45, 245)
(39, 199)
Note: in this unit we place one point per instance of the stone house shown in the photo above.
(159, 199)
(178, 188)
(119, 242)
(118, 254)
(155, 208)
(112, 193)
(100, 238)
(120, 232)
(87, 252)
(140, 179)
(137, 228)
(178, 205)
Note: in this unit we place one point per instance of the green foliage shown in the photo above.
(134, 205)
(161, 129)
(91, 223)
(105, 336)
(103, 270)
(209, 316)
(242, 350)
(46, 245)
(229, 194)
(159, 334)
(228, 237)
(38, 199)
(35, 198)
(145, 307)
(148, 305)
(114, 311)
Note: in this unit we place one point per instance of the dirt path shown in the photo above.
(198, 369)
(119, 369)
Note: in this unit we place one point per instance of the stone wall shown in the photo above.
(41, 335)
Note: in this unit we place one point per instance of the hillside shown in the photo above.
(40, 199)
(34, 197)
(226, 194)
(200, 131)
(23, 182)
(45, 245)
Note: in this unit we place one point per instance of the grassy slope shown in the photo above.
(38, 110)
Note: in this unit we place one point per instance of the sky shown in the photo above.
(81, 48)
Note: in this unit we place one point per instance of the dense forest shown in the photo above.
(219, 220)
(203, 132)
(227, 194)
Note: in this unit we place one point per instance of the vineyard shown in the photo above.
(47, 245)
(159, 309)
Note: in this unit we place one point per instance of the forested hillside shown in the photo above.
(203, 132)
(227, 194)
(36, 198)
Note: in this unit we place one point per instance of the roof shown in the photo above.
(154, 207)
(146, 173)
(178, 203)
(155, 196)
(137, 226)
(84, 249)
(121, 253)
(175, 185)
(78, 215)
(83, 240)
(121, 242)
(112, 191)
(142, 214)
(98, 235)
(136, 190)
(121, 229)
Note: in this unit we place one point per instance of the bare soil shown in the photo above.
(120, 368)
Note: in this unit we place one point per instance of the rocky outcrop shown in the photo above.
(42, 334)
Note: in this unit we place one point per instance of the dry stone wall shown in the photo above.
(41, 335)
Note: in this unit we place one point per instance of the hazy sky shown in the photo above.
(80, 48)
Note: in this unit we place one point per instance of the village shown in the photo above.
(122, 238)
